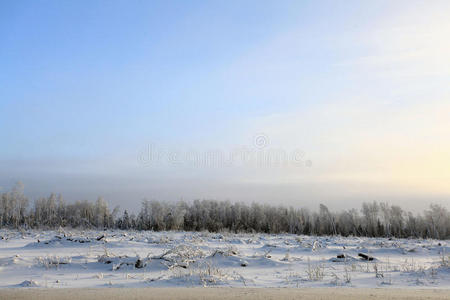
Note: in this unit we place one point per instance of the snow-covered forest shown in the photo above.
(372, 220)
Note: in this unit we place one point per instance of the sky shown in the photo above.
(280, 102)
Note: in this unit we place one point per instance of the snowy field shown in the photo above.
(74, 259)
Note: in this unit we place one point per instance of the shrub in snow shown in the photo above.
(205, 274)
(181, 256)
(53, 261)
(315, 272)
(230, 251)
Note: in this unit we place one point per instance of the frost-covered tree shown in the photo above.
(370, 212)
(377, 219)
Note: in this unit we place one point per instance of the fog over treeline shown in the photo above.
(372, 219)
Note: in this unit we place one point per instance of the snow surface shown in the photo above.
(75, 259)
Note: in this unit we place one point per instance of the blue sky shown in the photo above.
(359, 86)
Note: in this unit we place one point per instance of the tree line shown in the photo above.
(372, 220)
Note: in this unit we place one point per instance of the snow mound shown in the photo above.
(29, 283)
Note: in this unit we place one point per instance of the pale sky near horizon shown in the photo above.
(356, 94)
